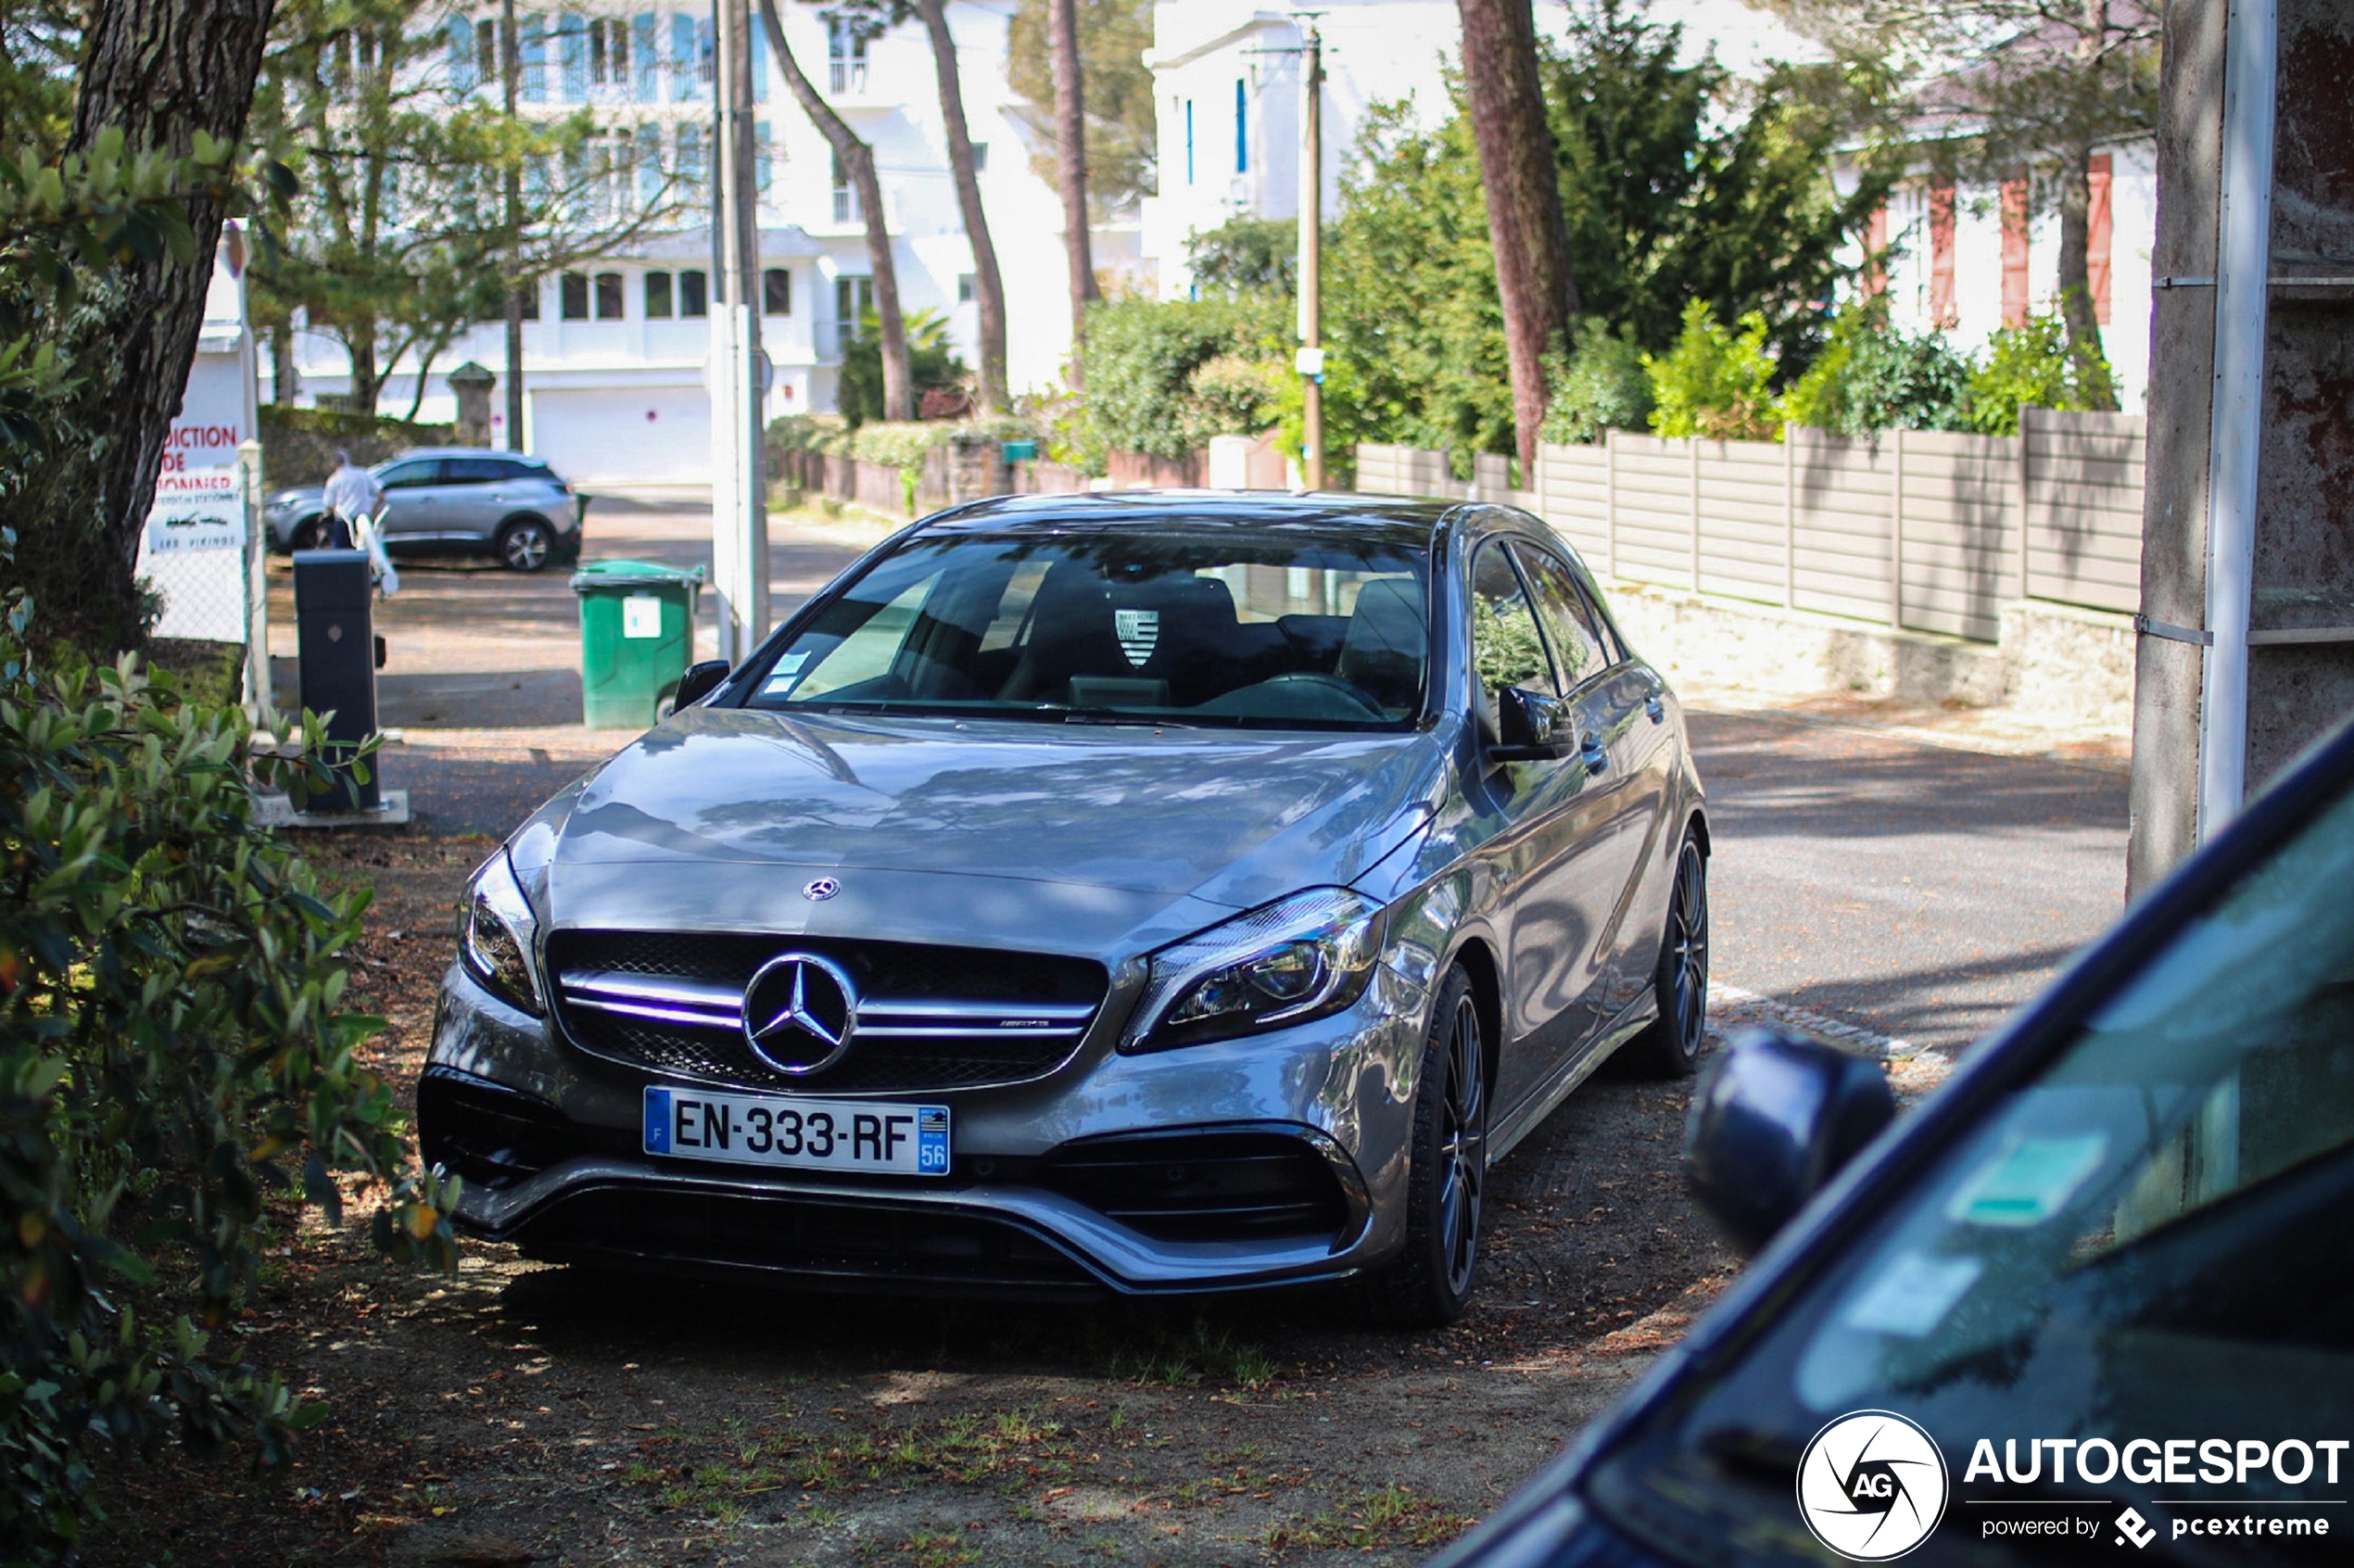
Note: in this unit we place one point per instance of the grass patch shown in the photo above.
(1201, 1354)
(938, 1549)
(1391, 1516)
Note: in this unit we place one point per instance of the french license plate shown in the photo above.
(772, 1129)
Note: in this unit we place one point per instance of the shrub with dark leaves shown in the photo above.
(174, 1052)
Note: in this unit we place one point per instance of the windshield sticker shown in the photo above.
(1913, 1294)
(785, 677)
(2028, 1181)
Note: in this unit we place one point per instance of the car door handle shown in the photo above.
(1593, 757)
(1657, 709)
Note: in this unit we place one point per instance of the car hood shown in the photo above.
(977, 826)
(299, 495)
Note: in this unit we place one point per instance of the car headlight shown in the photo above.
(1296, 959)
(497, 937)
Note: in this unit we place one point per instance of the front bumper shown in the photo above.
(1272, 1161)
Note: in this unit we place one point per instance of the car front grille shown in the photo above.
(928, 1018)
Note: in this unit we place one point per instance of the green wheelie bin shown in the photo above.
(636, 638)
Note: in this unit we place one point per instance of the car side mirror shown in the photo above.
(1775, 1121)
(1530, 727)
(699, 681)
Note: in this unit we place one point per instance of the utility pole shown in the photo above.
(2246, 639)
(1311, 361)
(740, 517)
(510, 68)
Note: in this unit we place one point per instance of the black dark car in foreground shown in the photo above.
(2093, 1300)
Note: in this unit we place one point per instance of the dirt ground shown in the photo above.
(518, 1413)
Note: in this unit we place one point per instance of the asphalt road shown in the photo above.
(1914, 891)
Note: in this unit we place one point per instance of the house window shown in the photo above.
(658, 297)
(1242, 129)
(775, 292)
(531, 303)
(609, 297)
(694, 294)
(980, 157)
(1189, 140)
(846, 54)
(486, 69)
(576, 296)
(845, 195)
(964, 288)
(854, 297)
(608, 51)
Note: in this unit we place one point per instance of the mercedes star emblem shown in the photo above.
(821, 890)
(800, 1011)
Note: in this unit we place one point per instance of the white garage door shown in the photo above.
(639, 436)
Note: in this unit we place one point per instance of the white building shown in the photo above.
(615, 354)
(1969, 259)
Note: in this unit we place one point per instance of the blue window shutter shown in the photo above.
(691, 179)
(1189, 140)
(572, 33)
(759, 58)
(531, 42)
(462, 55)
(682, 57)
(760, 154)
(641, 48)
(648, 157)
(1242, 129)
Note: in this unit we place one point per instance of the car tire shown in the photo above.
(306, 536)
(1430, 1283)
(1670, 1047)
(526, 544)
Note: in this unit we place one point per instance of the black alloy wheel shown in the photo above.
(1430, 1283)
(526, 544)
(1671, 1046)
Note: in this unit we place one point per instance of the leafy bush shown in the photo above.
(172, 1054)
(931, 364)
(2035, 364)
(1140, 361)
(1873, 376)
(1713, 384)
(1601, 386)
(1246, 256)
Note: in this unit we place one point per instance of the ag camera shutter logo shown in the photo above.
(1872, 1486)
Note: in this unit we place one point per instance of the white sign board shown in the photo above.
(194, 551)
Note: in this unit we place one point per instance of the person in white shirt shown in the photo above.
(352, 493)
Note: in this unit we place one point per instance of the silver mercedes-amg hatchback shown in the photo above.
(1120, 892)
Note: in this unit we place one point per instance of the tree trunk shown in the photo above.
(858, 162)
(360, 345)
(989, 287)
(1070, 162)
(283, 383)
(160, 70)
(1534, 279)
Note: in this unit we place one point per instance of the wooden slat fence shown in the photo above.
(1919, 529)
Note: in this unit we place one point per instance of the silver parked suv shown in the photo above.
(1140, 892)
(454, 501)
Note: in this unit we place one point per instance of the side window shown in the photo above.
(1569, 623)
(410, 476)
(473, 470)
(1506, 648)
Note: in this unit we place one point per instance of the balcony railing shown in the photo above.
(846, 204)
(847, 76)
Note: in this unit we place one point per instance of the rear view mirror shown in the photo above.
(699, 682)
(1775, 1121)
(1530, 727)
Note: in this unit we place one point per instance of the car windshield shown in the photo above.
(1289, 629)
(2151, 1243)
